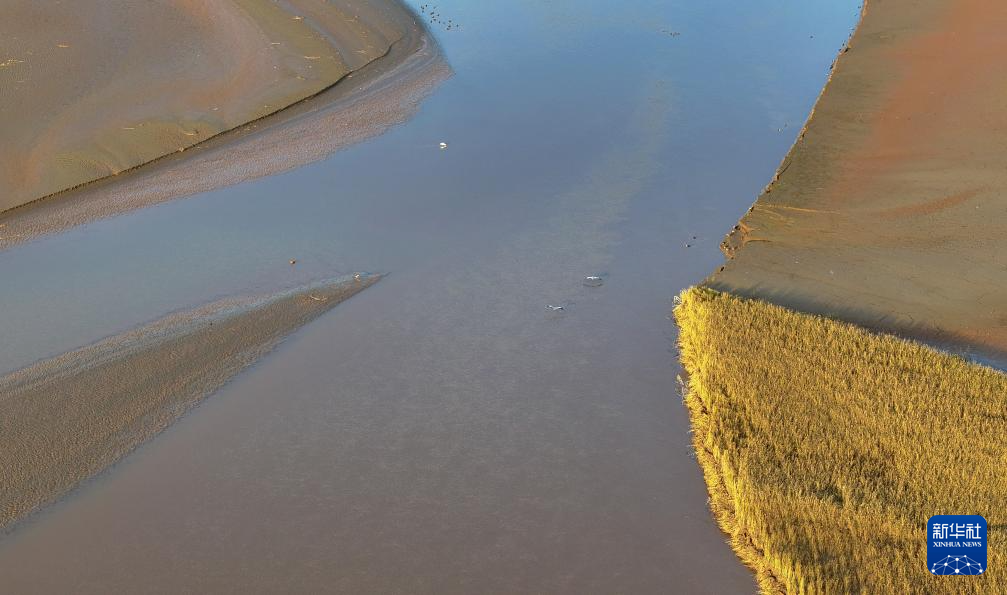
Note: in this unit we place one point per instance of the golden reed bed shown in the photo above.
(826, 448)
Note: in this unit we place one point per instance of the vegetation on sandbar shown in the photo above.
(826, 447)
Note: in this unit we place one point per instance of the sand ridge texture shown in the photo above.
(889, 211)
(826, 447)
(91, 88)
(64, 419)
(382, 93)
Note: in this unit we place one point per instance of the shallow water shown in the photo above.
(444, 431)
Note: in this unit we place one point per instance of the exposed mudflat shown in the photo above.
(66, 418)
(889, 211)
(95, 90)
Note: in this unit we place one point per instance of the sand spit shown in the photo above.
(888, 211)
(63, 420)
(379, 64)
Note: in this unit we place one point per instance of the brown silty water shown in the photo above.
(444, 431)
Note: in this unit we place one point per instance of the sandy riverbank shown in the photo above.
(71, 416)
(887, 211)
(376, 51)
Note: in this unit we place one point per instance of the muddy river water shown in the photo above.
(444, 431)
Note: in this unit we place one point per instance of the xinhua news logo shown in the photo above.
(956, 544)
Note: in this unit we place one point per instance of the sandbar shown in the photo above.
(888, 211)
(377, 62)
(65, 419)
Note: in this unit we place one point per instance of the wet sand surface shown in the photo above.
(69, 417)
(378, 95)
(444, 431)
(91, 89)
(888, 213)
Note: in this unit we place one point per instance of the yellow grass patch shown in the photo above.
(826, 448)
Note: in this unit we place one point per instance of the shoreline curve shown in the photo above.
(364, 103)
(892, 185)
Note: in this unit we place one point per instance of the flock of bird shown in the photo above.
(435, 17)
